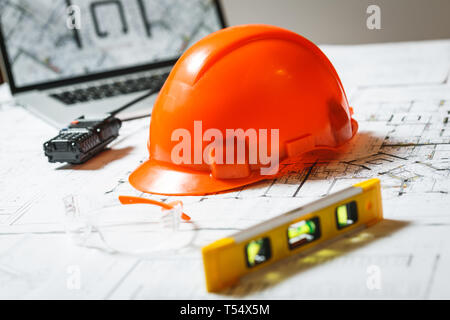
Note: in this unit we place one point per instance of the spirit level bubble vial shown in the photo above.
(228, 259)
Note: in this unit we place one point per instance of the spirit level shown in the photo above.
(227, 259)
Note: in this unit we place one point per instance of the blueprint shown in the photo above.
(400, 93)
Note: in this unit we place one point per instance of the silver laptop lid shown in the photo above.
(48, 43)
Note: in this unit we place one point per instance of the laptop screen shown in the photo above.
(51, 40)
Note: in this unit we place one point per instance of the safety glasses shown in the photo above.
(139, 229)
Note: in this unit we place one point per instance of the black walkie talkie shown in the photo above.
(82, 140)
(86, 137)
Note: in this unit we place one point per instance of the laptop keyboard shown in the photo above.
(111, 89)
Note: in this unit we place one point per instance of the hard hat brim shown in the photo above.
(159, 178)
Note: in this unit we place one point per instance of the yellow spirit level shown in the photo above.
(227, 259)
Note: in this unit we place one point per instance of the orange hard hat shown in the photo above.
(249, 77)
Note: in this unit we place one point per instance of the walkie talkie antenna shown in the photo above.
(133, 102)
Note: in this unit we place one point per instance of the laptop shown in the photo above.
(67, 58)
